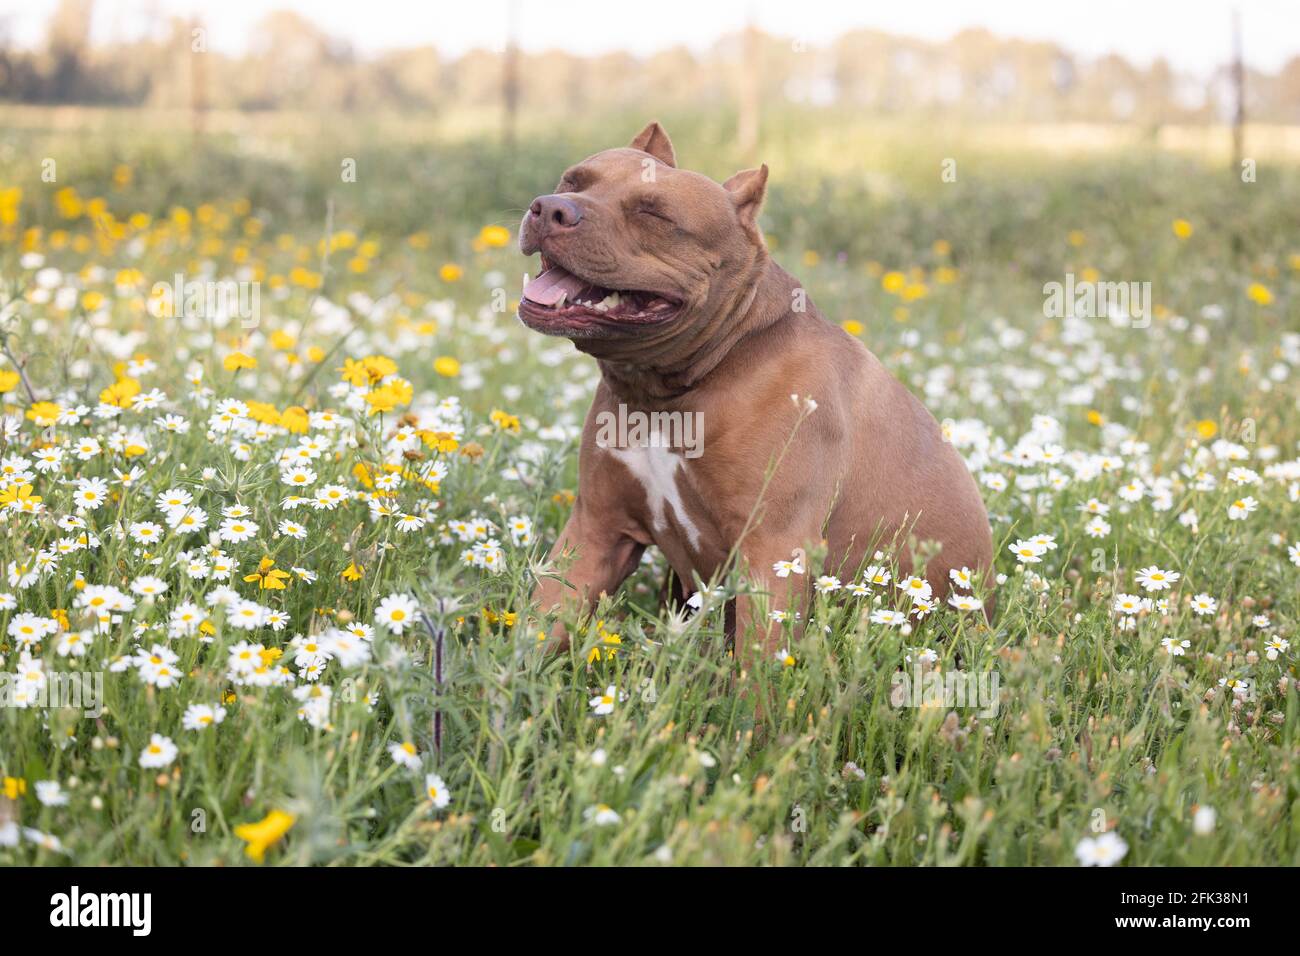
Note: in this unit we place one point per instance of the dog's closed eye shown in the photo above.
(652, 208)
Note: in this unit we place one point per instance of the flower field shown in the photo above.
(280, 470)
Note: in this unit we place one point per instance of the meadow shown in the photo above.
(295, 548)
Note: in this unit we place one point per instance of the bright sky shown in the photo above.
(1192, 34)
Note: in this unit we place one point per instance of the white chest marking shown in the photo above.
(656, 470)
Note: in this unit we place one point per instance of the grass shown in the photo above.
(1097, 726)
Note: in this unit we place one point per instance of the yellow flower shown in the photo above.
(367, 371)
(237, 360)
(505, 421)
(1182, 228)
(353, 572)
(387, 397)
(1076, 237)
(852, 326)
(1206, 428)
(404, 390)
(9, 381)
(354, 373)
(69, 203)
(268, 576)
(264, 833)
(18, 496)
(121, 394)
(450, 272)
(9, 201)
(1259, 294)
(44, 414)
(362, 474)
(444, 442)
(305, 278)
(893, 282)
(263, 412)
(446, 366)
(609, 640)
(381, 400)
(14, 787)
(282, 340)
(295, 419)
(92, 300)
(494, 237)
(1095, 417)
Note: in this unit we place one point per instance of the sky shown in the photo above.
(1193, 35)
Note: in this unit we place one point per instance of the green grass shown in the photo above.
(1094, 723)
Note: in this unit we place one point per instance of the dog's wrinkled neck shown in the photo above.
(763, 296)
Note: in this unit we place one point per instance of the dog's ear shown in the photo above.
(655, 141)
(747, 189)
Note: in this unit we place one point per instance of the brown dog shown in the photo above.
(662, 275)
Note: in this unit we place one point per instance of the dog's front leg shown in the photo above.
(759, 630)
(603, 557)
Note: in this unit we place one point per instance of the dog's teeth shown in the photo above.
(559, 303)
(610, 301)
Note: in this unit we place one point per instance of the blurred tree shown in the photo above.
(291, 64)
(67, 49)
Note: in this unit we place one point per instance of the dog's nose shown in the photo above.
(554, 211)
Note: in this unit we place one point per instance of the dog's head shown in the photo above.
(636, 253)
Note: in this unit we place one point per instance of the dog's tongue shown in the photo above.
(553, 285)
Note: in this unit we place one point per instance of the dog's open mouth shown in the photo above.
(561, 301)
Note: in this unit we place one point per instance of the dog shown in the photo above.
(662, 275)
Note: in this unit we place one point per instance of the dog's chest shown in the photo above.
(659, 472)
